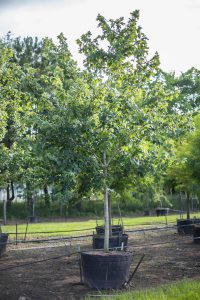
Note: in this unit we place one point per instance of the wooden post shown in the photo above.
(120, 214)
(166, 223)
(16, 233)
(26, 231)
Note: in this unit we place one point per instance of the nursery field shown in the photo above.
(50, 270)
(75, 226)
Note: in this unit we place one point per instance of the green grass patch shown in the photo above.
(51, 229)
(183, 290)
(151, 220)
(76, 227)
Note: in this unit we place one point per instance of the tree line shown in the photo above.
(120, 127)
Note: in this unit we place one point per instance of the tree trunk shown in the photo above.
(110, 214)
(192, 203)
(10, 193)
(4, 212)
(106, 219)
(29, 196)
(46, 195)
(61, 207)
(188, 205)
(106, 205)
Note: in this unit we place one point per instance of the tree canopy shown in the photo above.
(102, 129)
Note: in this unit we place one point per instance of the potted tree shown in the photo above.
(117, 238)
(160, 211)
(182, 172)
(186, 225)
(124, 117)
(3, 242)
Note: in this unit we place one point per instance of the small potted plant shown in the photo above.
(185, 226)
(117, 239)
(196, 233)
(3, 242)
(160, 211)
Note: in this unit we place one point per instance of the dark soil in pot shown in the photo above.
(3, 242)
(105, 270)
(114, 241)
(116, 229)
(186, 225)
(196, 234)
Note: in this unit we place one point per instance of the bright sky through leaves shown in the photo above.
(172, 26)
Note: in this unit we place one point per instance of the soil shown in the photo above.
(169, 257)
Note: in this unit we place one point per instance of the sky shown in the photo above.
(172, 26)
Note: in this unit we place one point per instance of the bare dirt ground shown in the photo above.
(169, 257)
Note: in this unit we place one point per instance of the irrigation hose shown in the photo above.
(36, 262)
(76, 252)
(89, 235)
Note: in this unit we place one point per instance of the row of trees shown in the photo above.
(111, 127)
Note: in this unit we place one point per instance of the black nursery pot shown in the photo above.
(146, 213)
(162, 211)
(196, 234)
(186, 225)
(116, 229)
(105, 270)
(33, 219)
(114, 241)
(3, 242)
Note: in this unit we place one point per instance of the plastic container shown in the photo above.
(33, 219)
(114, 241)
(3, 242)
(105, 270)
(196, 234)
(186, 225)
(116, 229)
(162, 211)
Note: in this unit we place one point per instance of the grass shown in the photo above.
(183, 290)
(51, 229)
(71, 227)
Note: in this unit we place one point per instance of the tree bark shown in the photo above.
(188, 205)
(106, 205)
(10, 193)
(29, 196)
(109, 213)
(46, 195)
(4, 212)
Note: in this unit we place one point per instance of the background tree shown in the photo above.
(51, 83)
(184, 169)
(188, 86)
(14, 102)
